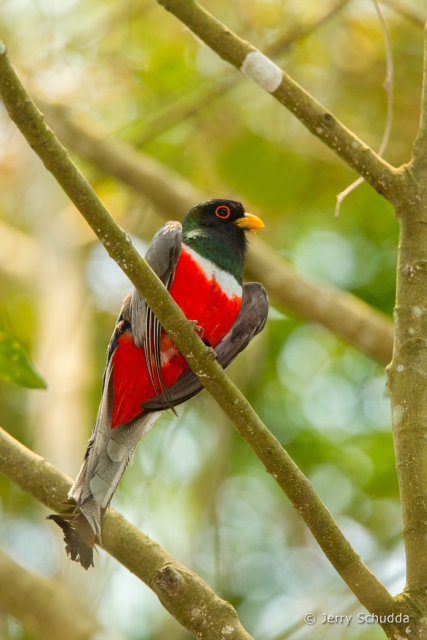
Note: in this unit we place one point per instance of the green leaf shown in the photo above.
(15, 365)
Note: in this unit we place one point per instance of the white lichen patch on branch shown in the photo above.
(398, 412)
(263, 71)
(2, 48)
(417, 312)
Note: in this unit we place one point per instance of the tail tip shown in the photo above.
(75, 546)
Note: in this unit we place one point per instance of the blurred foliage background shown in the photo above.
(195, 486)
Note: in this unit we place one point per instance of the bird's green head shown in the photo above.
(222, 215)
(216, 229)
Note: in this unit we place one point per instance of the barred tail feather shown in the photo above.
(109, 453)
(96, 485)
(79, 538)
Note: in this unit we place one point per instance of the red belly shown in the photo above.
(200, 299)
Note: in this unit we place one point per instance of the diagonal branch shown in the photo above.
(188, 107)
(51, 609)
(367, 588)
(339, 311)
(323, 124)
(186, 596)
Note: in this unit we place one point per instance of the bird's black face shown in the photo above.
(216, 230)
(218, 213)
(223, 215)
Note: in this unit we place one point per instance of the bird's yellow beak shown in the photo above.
(250, 222)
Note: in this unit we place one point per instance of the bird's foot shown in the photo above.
(210, 353)
(197, 328)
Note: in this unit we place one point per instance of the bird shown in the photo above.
(201, 264)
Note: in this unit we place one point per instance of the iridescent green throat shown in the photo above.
(225, 250)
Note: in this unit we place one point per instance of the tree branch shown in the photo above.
(370, 592)
(186, 108)
(407, 373)
(186, 596)
(340, 312)
(50, 610)
(324, 125)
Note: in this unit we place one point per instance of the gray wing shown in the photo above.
(250, 321)
(162, 256)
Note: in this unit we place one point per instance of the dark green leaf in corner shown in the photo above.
(15, 365)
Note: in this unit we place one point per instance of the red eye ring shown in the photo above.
(219, 212)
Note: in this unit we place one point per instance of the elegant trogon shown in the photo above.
(201, 264)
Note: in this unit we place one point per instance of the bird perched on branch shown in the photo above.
(201, 264)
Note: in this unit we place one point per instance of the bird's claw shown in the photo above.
(197, 328)
(211, 353)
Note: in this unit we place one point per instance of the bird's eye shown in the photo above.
(222, 212)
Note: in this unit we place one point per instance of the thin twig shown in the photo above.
(389, 79)
(341, 196)
(388, 88)
(367, 588)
